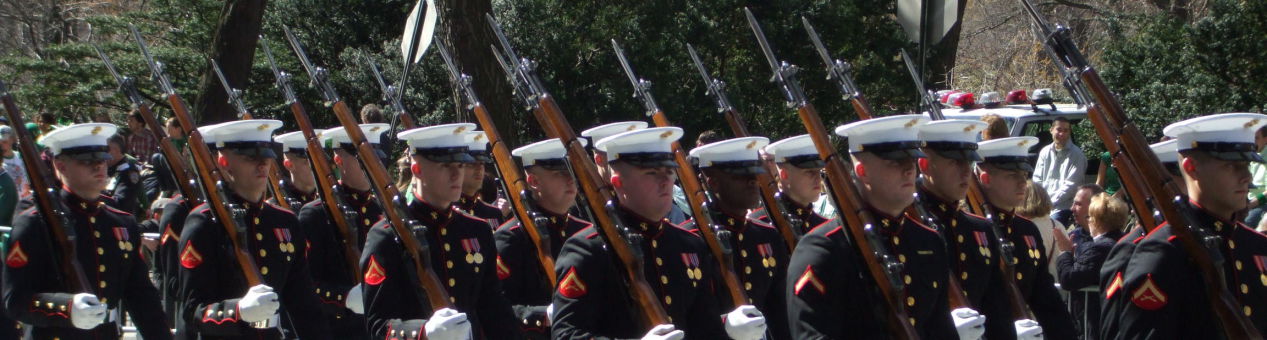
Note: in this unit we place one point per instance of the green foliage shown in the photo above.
(571, 42)
(1165, 70)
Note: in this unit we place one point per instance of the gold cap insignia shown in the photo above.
(1251, 123)
(631, 127)
(96, 130)
(751, 144)
(1022, 143)
(262, 127)
(666, 134)
(459, 130)
(375, 129)
(912, 122)
(969, 128)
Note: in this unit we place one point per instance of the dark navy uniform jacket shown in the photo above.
(107, 246)
(464, 257)
(211, 282)
(1159, 294)
(1034, 280)
(592, 301)
(803, 217)
(519, 269)
(326, 258)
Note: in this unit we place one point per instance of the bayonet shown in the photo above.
(281, 78)
(459, 79)
(642, 87)
(838, 70)
(714, 87)
(156, 66)
(784, 73)
(127, 85)
(234, 95)
(319, 78)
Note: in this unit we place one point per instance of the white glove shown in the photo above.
(745, 323)
(550, 313)
(1028, 330)
(259, 304)
(447, 324)
(664, 332)
(968, 323)
(354, 301)
(86, 312)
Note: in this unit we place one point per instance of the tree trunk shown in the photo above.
(463, 25)
(233, 47)
(942, 55)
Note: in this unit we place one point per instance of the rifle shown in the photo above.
(230, 217)
(879, 263)
(175, 161)
(1006, 249)
(51, 209)
(696, 195)
(521, 73)
(388, 196)
(517, 187)
(841, 72)
(326, 182)
(392, 95)
(235, 98)
(766, 183)
(1140, 169)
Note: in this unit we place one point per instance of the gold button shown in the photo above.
(263, 253)
(668, 300)
(743, 253)
(446, 247)
(960, 238)
(901, 258)
(747, 270)
(96, 234)
(907, 279)
(664, 279)
(963, 276)
(741, 237)
(264, 270)
(747, 285)
(101, 251)
(257, 220)
(654, 244)
(92, 219)
(1248, 311)
(448, 264)
(444, 231)
(365, 221)
(897, 240)
(1231, 244)
(452, 282)
(453, 299)
(1019, 276)
(659, 261)
(910, 301)
(912, 320)
(101, 268)
(1239, 265)
(1244, 289)
(102, 284)
(934, 284)
(963, 257)
(259, 237)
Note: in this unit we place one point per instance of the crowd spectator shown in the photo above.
(142, 143)
(1081, 257)
(12, 163)
(1258, 171)
(1061, 166)
(996, 127)
(1037, 208)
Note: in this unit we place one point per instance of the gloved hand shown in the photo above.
(1028, 330)
(86, 312)
(447, 324)
(664, 332)
(968, 323)
(259, 304)
(745, 323)
(354, 301)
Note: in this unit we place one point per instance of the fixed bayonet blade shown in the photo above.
(234, 96)
(282, 78)
(156, 67)
(714, 87)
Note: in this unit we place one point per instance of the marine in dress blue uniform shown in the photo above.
(829, 295)
(216, 302)
(471, 201)
(107, 247)
(461, 247)
(799, 173)
(1158, 292)
(1005, 161)
(552, 193)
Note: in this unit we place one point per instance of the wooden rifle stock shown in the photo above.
(765, 181)
(1147, 172)
(50, 209)
(388, 195)
(326, 182)
(208, 174)
(511, 176)
(529, 89)
(696, 196)
(880, 266)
